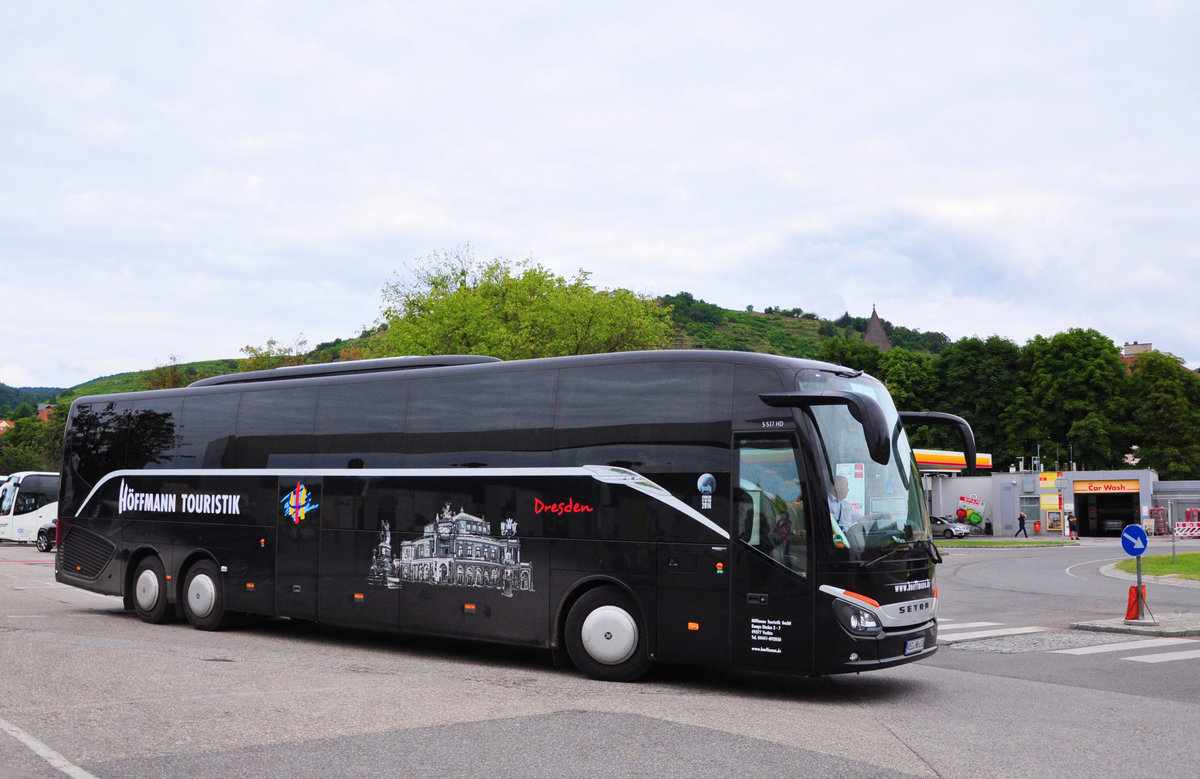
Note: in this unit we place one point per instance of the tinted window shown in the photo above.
(34, 493)
(499, 419)
(94, 445)
(751, 382)
(209, 421)
(152, 439)
(275, 427)
(44, 488)
(361, 424)
(668, 417)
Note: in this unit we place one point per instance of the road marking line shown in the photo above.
(953, 637)
(964, 625)
(1166, 657)
(55, 760)
(1120, 646)
(1067, 570)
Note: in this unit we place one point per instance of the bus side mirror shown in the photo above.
(912, 418)
(863, 408)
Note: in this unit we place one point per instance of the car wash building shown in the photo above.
(1103, 502)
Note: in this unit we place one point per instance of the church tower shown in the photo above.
(875, 335)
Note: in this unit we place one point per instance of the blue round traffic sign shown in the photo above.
(1134, 540)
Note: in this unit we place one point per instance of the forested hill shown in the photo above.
(12, 397)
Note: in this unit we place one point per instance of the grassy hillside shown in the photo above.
(751, 331)
(135, 381)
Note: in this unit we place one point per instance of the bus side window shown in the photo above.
(769, 502)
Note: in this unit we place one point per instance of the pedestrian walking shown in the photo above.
(1073, 525)
(1020, 525)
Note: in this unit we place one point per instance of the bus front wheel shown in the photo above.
(150, 592)
(605, 637)
(203, 599)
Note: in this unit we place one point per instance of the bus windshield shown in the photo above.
(873, 508)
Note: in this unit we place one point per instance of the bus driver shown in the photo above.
(842, 510)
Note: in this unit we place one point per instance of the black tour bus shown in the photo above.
(716, 508)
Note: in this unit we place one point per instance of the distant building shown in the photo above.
(1132, 350)
(876, 335)
(5, 425)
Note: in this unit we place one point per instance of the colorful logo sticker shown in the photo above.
(296, 504)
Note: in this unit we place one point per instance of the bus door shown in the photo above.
(772, 599)
(297, 550)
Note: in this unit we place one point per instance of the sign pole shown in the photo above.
(1140, 600)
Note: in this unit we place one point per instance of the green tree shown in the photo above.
(978, 380)
(851, 352)
(1078, 377)
(170, 375)
(32, 445)
(273, 355)
(1165, 404)
(455, 305)
(909, 378)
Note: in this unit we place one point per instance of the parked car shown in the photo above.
(47, 535)
(947, 528)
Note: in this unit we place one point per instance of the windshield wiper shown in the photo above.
(926, 546)
(902, 544)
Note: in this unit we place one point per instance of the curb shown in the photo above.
(1169, 626)
(1171, 581)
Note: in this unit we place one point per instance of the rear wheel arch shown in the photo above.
(131, 567)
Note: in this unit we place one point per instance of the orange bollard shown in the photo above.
(1131, 610)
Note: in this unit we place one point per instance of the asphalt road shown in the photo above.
(87, 689)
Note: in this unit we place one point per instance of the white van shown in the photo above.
(28, 500)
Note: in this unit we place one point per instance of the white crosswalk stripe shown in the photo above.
(1124, 646)
(946, 624)
(951, 637)
(1166, 657)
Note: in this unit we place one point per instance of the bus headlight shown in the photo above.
(857, 620)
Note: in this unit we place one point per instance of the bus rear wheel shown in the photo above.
(605, 636)
(150, 592)
(203, 599)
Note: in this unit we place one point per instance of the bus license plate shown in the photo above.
(914, 645)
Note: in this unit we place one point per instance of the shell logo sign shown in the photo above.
(939, 460)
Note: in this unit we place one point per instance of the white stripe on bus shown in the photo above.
(603, 473)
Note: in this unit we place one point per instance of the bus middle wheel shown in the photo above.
(605, 637)
(203, 598)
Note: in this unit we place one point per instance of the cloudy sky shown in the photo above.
(185, 179)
